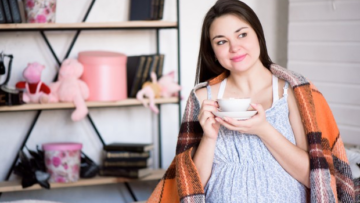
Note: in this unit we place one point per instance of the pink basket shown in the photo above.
(62, 161)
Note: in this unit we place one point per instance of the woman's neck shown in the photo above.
(250, 81)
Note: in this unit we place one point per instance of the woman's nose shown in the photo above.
(234, 46)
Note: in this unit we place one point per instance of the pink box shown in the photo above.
(62, 161)
(105, 75)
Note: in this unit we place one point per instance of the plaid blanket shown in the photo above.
(330, 175)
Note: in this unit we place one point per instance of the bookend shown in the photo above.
(88, 168)
(32, 169)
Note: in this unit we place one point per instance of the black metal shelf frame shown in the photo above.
(78, 31)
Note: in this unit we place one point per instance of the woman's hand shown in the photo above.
(256, 125)
(207, 119)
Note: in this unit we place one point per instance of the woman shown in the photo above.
(265, 158)
(243, 166)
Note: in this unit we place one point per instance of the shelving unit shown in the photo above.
(88, 26)
(54, 106)
(14, 186)
(11, 186)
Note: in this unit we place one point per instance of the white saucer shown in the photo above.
(241, 115)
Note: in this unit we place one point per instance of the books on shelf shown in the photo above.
(7, 12)
(129, 147)
(160, 67)
(139, 68)
(146, 9)
(161, 9)
(2, 14)
(145, 73)
(134, 68)
(127, 162)
(10, 11)
(126, 154)
(22, 11)
(128, 172)
(131, 160)
(15, 11)
(152, 68)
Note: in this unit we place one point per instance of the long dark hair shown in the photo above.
(207, 66)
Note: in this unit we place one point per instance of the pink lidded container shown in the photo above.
(105, 75)
(40, 11)
(62, 161)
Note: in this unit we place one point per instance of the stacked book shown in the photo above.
(127, 160)
(146, 9)
(138, 69)
(12, 11)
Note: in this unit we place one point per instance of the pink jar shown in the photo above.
(40, 11)
(105, 75)
(62, 161)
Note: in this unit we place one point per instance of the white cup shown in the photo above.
(234, 105)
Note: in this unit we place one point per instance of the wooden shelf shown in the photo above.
(12, 186)
(52, 106)
(87, 25)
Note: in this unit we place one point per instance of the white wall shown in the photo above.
(324, 45)
(116, 124)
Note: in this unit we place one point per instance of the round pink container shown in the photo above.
(62, 161)
(105, 75)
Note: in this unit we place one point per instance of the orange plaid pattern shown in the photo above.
(330, 174)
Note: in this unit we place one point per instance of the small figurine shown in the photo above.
(36, 90)
(165, 88)
(69, 88)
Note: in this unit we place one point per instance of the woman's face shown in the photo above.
(234, 42)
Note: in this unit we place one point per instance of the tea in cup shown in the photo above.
(234, 105)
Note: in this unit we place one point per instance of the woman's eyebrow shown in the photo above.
(238, 30)
(220, 36)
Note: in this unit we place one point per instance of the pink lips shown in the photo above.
(238, 58)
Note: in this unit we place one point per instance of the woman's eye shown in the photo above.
(221, 42)
(242, 35)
